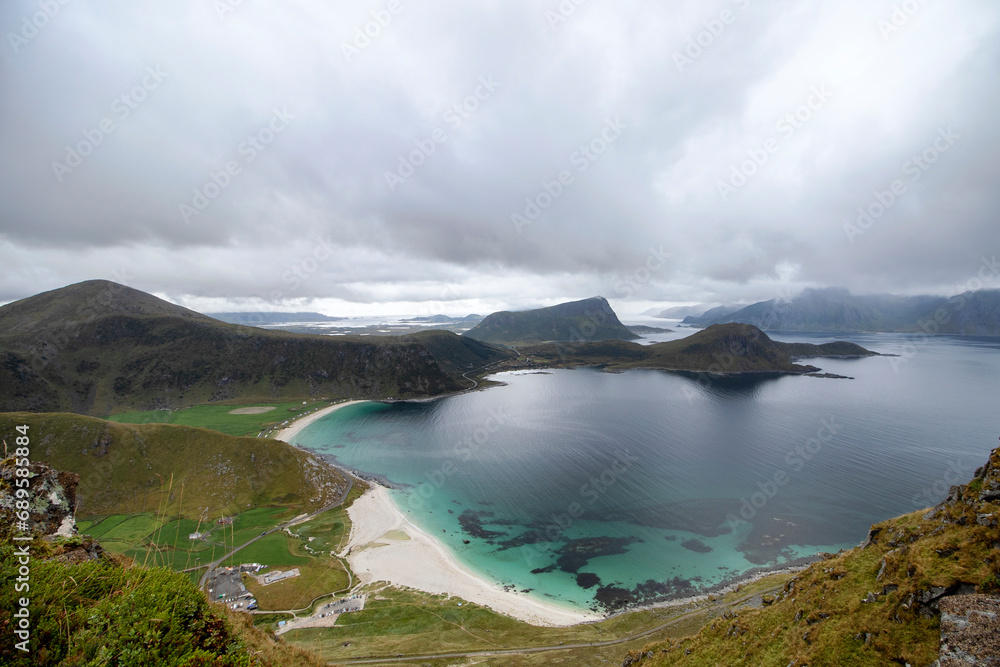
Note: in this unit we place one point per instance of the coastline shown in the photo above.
(286, 434)
(385, 546)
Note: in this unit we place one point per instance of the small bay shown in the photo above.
(602, 489)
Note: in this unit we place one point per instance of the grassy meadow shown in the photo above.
(221, 417)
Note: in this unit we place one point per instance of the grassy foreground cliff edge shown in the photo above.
(87, 607)
(877, 604)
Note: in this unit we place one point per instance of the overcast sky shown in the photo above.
(473, 156)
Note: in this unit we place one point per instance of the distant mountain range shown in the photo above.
(577, 321)
(98, 347)
(472, 318)
(257, 319)
(677, 312)
(971, 313)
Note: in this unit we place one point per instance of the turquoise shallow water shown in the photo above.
(599, 490)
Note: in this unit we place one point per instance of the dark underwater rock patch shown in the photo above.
(575, 554)
(471, 522)
(612, 598)
(696, 545)
(527, 537)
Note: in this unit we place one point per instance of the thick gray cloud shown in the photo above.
(272, 154)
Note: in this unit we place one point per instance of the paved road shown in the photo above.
(563, 647)
(466, 376)
(483, 368)
(214, 564)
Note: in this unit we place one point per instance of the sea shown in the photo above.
(602, 491)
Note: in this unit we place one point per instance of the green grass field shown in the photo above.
(165, 542)
(320, 574)
(124, 528)
(272, 550)
(218, 418)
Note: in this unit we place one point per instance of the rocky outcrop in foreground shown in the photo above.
(51, 496)
(970, 631)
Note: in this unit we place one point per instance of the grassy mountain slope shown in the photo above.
(459, 354)
(587, 320)
(721, 348)
(839, 310)
(89, 608)
(876, 604)
(126, 468)
(65, 308)
(99, 348)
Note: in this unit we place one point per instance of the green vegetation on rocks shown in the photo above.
(110, 612)
(90, 608)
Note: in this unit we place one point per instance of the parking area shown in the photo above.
(226, 586)
(326, 615)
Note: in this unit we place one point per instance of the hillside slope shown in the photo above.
(459, 354)
(127, 468)
(577, 321)
(90, 608)
(877, 604)
(98, 348)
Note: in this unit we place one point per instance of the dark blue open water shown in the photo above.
(594, 488)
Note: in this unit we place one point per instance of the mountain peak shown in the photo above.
(590, 319)
(87, 300)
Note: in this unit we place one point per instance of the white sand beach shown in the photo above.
(289, 431)
(385, 546)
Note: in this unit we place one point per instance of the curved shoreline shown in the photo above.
(385, 546)
(286, 434)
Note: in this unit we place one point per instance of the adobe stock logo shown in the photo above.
(363, 35)
(121, 108)
(30, 25)
(456, 115)
(796, 459)
(582, 158)
(786, 127)
(914, 168)
(248, 150)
